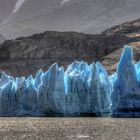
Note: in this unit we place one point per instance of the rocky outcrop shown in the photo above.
(128, 28)
(25, 55)
(2, 39)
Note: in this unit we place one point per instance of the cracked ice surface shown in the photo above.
(81, 89)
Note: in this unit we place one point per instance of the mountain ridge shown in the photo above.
(25, 55)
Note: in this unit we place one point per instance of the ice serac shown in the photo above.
(126, 87)
(51, 92)
(87, 89)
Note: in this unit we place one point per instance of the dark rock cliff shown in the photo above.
(25, 55)
(2, 39)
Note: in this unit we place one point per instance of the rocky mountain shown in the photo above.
(25, 55)
(130, 30)
(25, 17)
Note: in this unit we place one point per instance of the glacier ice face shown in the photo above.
(126, 87)
(81, 89)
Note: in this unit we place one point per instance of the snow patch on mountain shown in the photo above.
(64, 1)
(18, 5)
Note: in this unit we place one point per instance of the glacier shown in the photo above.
(81, 89)
(125, 96)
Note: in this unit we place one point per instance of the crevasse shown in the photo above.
(80, 90)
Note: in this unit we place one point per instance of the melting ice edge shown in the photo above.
(81, 89)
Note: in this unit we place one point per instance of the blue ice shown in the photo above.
(81, 89)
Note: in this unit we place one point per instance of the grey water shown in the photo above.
(59, 128)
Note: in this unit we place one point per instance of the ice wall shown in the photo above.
(81, 89)
(126, 87)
